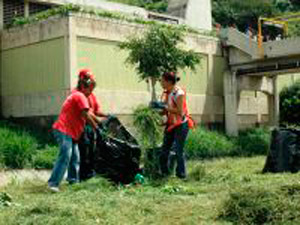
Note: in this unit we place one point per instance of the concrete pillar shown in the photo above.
(1, 15)
(273, 104)
(231, 103)
(26, 8)
(71, 54)
(198, 14)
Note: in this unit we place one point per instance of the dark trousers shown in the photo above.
(174, 140)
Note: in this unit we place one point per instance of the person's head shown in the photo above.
(169, 79)
(86, 82)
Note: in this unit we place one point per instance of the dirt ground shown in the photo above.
(7, 176)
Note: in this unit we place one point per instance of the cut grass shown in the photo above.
(202, 199)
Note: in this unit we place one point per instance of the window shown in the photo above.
(12, 9)
(36, 8)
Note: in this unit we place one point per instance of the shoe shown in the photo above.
(53, 189)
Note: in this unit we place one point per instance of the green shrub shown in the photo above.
(147, 122)
(202, 143)
(16, 148)
(254, 141)
(251, 205)
(44, 159)
(290, 104)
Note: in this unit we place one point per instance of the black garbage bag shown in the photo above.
(116, 160)
(87, 145)
(116, 154)
(284, 153)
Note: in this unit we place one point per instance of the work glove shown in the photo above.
(111, 117)
(157, 105)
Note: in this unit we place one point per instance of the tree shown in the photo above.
(157, 51)
(242, 13)
(290, 104)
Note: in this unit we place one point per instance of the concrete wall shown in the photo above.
(33, 68)
(197, 13)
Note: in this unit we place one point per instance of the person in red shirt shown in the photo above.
(87, 143)
(68, 129)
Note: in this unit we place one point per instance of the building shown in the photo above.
(39, 63)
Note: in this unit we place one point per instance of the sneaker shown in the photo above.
(53, 189)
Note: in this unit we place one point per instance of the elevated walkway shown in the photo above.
(255, 69)
(274, 57)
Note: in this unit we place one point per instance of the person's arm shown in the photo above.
(178, 109)
(101, 114)
(90, 117)
(97, 109)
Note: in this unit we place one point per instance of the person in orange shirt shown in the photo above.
(177, 125)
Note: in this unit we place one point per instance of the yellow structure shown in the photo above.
(281, 21)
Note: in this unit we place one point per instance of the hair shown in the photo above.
(171, 76)
(85, 79)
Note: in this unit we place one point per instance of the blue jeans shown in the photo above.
(174, 140)
(68, 158)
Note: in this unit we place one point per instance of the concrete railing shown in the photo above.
(282, 48)
(241, 41)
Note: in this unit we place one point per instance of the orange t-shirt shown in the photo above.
(71, 120)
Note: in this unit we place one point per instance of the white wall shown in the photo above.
(199, 14)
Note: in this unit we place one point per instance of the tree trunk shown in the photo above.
(153, 90)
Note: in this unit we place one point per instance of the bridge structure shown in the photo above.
(254, 68)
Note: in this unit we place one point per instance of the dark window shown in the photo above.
(11, 9)
(36, 8)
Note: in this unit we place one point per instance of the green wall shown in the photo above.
(33, 68)
(107, 62)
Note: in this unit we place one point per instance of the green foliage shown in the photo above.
(254, 141)
(44, 159)
(16, 147)
(152, 5)
(202, 143)
(241, 13)
(5, 199)
(290, 104)
(24, 147)
(157, 52)
(148, 124)
(261, 206)
(57, 11)
(68, 9)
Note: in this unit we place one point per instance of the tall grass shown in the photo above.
(252, 205)
(19, 148)
(202, 143)
(16, 147)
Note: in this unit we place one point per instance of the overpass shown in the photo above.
(255, 69)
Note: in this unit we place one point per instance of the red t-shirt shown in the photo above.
(94, 105)
(71, 120)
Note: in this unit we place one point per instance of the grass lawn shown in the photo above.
(201, 199)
